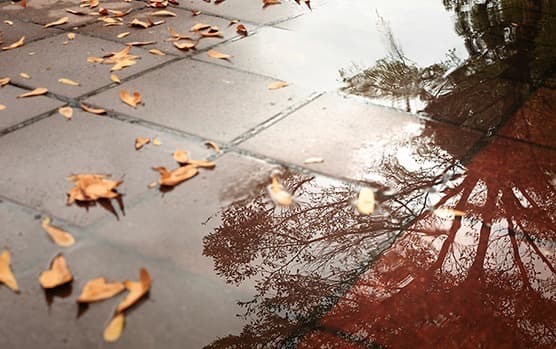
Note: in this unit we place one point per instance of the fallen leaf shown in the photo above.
(115, 78)
(278, 194)
(213, 145)
(66, 112)
(139, 23)
(267, 3)
(201, 163)
(2, 107)
(114, 330)
(175, 177)
(8, 22)
(313, 161)
(122, 35)
(163, 13)
(98, 289)
(4, 81)
(91, 187)
(233, 21)
(36, 92)
(124, 63)
(218, 55)
(195, 12)
(68, 82)
(152, 185)
(92, 110)
(157, 141)
(365, 203)
(71, 36)
(16, 44)
(181, 156)
(241, 30)
(199, 26)
(129, 99)
(137, 289)
(448, 213)
(93, 3)
(58, 274)
(76, 12)
(140, 142)
(140, 43)
(186, 45)
(60, 21)
(25, 75)
(277, 85)
(7, 277)
(60, 237)
(157, 52)
(95, 60)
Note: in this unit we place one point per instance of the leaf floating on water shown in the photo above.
(16, 44)
(218, 55)
(4, 81)
(68, 82)
(98, 289)
(137, 289)
(60, 237)
(66, 112)
(365, 203)
(129, 99)
(278, 194)
(114, 330)
(58, 274)
(448, 213)
(91, 187)
(314, 160)
(60, 21)
(92, 110)
(140, 142)
(7, 277)
(277, 85)
(213, 145)
(36, 92)
(115, 78)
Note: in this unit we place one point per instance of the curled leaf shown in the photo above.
(137, 289)
(36, 92)
(129, 99)
(218, 55)
(365, 203)
(122, 35)
(180, 156)
(277, 85)
(25, 75)
(60, 237)
(4, 81)
(16, 44)
(115, 78)
(66, 112)
(314, 160)
(241, 30)
(58, 274)
(201, 163)
(175, 177)
(91, 187)
(164, 13)
(7, 277)
(140, 142)
(199, 26)
(157, 52)
(68, 82)
(98, 289)
(114, 330)
(60, 21)
(213, 145)
(92, 110)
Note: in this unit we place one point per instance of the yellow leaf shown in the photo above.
(278, 194)
(114, 330)
(7, 277)
(92, 110)
(98, 289)
(68, 82)
(140, 142)
(365, 203)
(218, 55)
(180, 156)
(36, 92)
(164, 13)
(16, 44)
(199, 26)
(175, 177)
(60, 237)
(4, 81)
(129, 99)
(122, 35)
(277, 85)
(57, 275)
(137, 289)
(157, 52)
(60, 21)
(66, 112)
(185, 45)
(115, 78)
(448, 213)
(91, 187)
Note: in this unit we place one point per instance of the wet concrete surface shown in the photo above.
(433, 105)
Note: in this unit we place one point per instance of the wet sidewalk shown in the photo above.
(445, 109)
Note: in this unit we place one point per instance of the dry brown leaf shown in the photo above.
(163, 13)
(95, 60)
(278, 194)
(25, 75)
(186, 45)
(71, 36)
(91, 187)
(76, 12)
(267, 3)
(68, 82)
(122, 35)
(115, 78)
(195, 12)
(314, 160)
(36, 92)
(181, 156)
(365, 202)
(199, 26)
(202, 163)
(140, 43)
(129, 99)
(2, 107)
(157, 141)
(124, 63)
(114, 330)
(8, 22)
(218, 55)
(93, 3)
(58, 274)
(137, 289)
(66, 112)
(60, 237)
(98, 289)
(213, 145)
(233, 21)
(60, 21)
(175, 177)
(4, 81)
(448, 213)
(277, 85)
(140, 142)
(16, 44)
(7, 277)
(157, 52)
(92, 110)
(242, 30)
(139, 23)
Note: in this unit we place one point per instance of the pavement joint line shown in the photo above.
(212, 14)
(25, 123)
(524, 141)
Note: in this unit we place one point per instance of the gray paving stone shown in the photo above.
(204, 99)
(47, 11)
(53, 60)
(11, 33)
(364, 142)
(182, 23)
(43, 154)
(21, 109)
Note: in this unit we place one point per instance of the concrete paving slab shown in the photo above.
(48, 60)
(214, 102)
(55, 148)
(21, 109)
(361, 141)
(182, 24)
(10, 33)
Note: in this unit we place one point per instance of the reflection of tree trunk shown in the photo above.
(517, 257)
